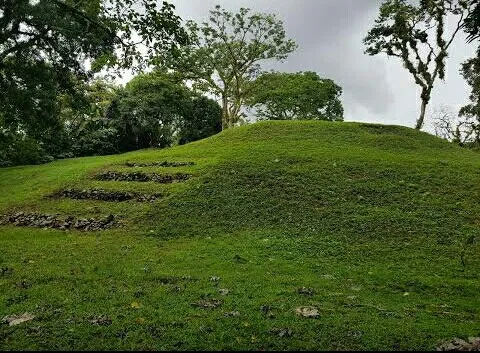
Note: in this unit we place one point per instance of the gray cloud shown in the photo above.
(329, 34)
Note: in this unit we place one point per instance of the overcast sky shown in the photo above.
(329, 34)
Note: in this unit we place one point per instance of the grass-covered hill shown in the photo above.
(368, 229)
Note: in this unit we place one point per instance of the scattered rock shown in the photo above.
(457, 344)
(307, 311)
(214, 278)
(23, 284)
(142, 177)
(355, 334)
(223, 291)
(232, 314)
(102, 320)
(267, 311)
(104, 195)
(208, 303)
(281, 332)
(13, 320)
(305, 291)
(49, 221)
(159, 164)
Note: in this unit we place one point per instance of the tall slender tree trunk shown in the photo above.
(421, 118)
(225, 119)
(425, 99)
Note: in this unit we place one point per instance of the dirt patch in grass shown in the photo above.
(39, 220)
(104, 195)
(142, 177)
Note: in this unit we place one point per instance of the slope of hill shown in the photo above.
(273, 236)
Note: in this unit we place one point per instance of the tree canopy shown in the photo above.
(226, 53)
(417, 35)
(303, 95)
(472, 22)
(47, 46)
(157, 110)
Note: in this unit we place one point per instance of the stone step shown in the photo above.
(158, 164)
(55, 221)
(142, 177)
(105, 195)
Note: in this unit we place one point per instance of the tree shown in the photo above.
(202, 118)
(157, 110)
(471, 72)
(472, 22)
(226, 53)
(147, 111)
(46, 46)
(303, 95)
(84, 119)
(417, 35)
(462, 130)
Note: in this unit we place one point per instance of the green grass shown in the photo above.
(372, 218)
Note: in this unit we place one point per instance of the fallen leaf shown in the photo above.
(13, 320)
(307, 311)
(135, 305)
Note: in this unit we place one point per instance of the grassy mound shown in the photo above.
(286, 235)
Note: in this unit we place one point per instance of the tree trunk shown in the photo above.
(425, 99)
(225, 120)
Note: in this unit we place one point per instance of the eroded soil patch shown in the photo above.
(142, 177)
(39, 220)
(159, 164)
(104, 195)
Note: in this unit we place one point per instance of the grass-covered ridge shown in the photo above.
(370, 219)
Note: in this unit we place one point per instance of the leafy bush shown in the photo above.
(16, 149)
(95, 143)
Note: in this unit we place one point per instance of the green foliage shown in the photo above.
(287, 96)
(202, 118)
(157, 110)
(97, 142)
(370, 217)
(472, 22)
(416, 35)
(45, 44)
(471, 112)
(18, 149)
(226, 53)
(146, 113)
